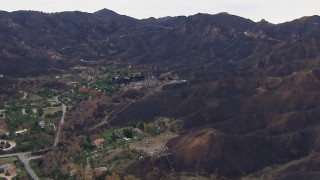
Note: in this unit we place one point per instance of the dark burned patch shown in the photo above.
(132, 94)
(55, 85)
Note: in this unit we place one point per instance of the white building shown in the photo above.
(21, 132)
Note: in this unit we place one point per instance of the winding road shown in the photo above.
(64, 109)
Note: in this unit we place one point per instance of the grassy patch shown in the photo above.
(51, 110)
(8, 160)
(34, 97)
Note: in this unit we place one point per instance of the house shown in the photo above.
(20, 132)
(10, 170)
(137, 77)
(98, 142)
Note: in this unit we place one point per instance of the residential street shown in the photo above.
(25, 156)
(25, 160)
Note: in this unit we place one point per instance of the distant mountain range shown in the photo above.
(33, 42)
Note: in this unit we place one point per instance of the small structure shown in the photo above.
(98, 142)
(34, 111)
(20, 132)
(137, 74)
(42, 123)
(137, 130)
(23, 111)
(2, 166)
(169, 77)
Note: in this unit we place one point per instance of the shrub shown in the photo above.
(172, 128)
(127, 132)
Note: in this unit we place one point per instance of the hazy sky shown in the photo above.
(275, 11)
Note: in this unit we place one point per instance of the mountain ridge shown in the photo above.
(57, 31)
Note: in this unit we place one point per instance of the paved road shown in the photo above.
(64, 109)
(24, 158)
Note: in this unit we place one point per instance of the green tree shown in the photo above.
(113, 136)
(22, 175)
(141, 126)
(28, 107)
(54, 170)
(172, 128)
(40, 111)
(154, 130)
(85, 144)
(127, 132)
(34, 126)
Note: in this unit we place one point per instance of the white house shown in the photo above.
(21, 132)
